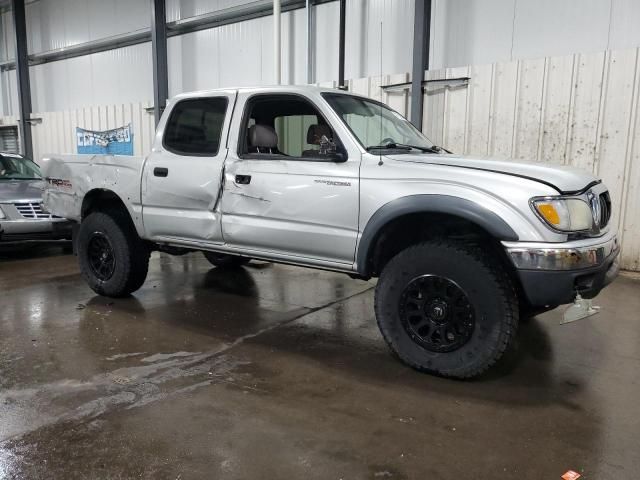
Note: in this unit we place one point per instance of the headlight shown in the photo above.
(564, 214)
(1, 214)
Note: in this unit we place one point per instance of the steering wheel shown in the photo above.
(386, 141)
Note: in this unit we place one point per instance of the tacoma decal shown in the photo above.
(334, 183)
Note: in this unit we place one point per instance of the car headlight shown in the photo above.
(564, 214)
(1, 214)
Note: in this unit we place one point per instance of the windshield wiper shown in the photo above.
(403, 146)
(439, 149)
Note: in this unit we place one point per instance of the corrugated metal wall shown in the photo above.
(231, 55)
(471, 32)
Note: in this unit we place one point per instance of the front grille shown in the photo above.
(33, 211)
(605, 209)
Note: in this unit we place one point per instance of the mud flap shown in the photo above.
(581, 308)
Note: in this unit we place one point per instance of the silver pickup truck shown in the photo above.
(462, 247)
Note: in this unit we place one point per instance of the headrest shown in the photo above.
(315, 133)
(262, 136)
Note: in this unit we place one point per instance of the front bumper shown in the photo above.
(12, 231)
(552, 274)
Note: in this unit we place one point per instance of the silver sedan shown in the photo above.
(21, 215)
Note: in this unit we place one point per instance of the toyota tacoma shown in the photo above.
(461, 247)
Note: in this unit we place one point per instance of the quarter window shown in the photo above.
(195, 126)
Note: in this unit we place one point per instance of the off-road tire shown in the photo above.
(225, 261)
(129, 251)
(485, 283)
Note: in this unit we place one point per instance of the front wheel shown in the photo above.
(113, 259)
(446, 308)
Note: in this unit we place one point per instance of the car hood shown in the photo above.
(560, 177)
(11, 190)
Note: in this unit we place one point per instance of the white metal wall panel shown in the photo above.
(116, 76)
(9, 93)
(363, 41)
(7, 36)
(57, 131)
(238, 54)
(469, 32)
(241, 54)
(625, 18)
(53, 24)
(552, 27)
(181, 9)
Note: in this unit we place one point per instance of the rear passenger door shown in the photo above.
(182, 175)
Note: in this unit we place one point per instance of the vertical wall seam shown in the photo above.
(490, 126)
(445, 109)
(513, 28)
(573, 87)
(516, 104)
(604, 87)
(467, 107)
(543, 107)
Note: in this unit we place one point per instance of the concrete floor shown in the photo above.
(279, 372)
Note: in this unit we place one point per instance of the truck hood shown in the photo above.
(562, 178)
(11, 190)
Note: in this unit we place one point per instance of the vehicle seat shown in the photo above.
(263, 139)
(314, 135)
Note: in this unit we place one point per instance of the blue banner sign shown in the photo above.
(118, 141)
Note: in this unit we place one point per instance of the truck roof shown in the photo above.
(265, 89)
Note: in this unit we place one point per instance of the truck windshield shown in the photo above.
(376, 126)
(14, 167)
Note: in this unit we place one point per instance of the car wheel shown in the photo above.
(446, 308)
(225, 261)
(113, 259)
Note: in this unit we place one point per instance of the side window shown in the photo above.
(195, 126)
(289, 126)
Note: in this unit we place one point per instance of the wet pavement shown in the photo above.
(273, 372)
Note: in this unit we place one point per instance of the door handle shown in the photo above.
(160, 171)
(243, 179)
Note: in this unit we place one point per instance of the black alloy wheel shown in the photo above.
(102, 260)
(436, 313)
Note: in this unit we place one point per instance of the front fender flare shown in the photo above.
(446, 204)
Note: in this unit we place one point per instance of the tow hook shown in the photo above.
(581, 308)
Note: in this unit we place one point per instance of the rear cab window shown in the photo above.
(194, 127)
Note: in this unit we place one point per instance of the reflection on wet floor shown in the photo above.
(274, 371)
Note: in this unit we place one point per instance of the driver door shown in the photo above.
(288, 200)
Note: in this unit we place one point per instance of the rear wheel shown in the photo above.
(446, 308)
(113, 259)
(224, 260)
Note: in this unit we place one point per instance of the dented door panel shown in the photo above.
(304, 208)
(180, 192)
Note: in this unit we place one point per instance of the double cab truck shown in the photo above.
(461, 247)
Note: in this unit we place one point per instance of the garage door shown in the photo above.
(9, 139)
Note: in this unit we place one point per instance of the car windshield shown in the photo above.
(376, 126)
(18, 168)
